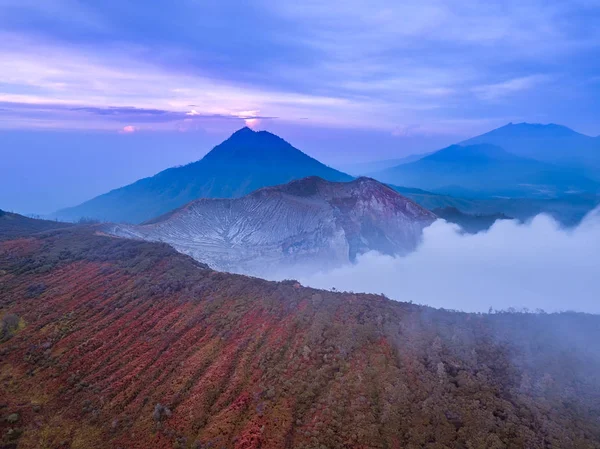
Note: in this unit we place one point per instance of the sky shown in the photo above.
(126, 89)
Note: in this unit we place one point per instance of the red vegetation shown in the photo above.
(126, 344)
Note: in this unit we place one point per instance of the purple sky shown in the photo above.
(444, 67)
(342, 80)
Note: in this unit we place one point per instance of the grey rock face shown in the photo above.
(310, 222)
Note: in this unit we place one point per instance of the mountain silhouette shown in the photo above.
(550, 143)
(487, 170)
(247, 161)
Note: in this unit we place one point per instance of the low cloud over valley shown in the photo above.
(533, 265)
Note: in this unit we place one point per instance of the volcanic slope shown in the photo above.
(310, 222)
(110, 343)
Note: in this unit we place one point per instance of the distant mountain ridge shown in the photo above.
(568, 210)
(549, 143)
(249, 160)
(487, 170)
(310, 222)
(246, 161)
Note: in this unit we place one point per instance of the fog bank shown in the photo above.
(536, 265)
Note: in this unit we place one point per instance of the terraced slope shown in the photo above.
(114, 343)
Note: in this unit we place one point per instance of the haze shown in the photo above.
(532, 266)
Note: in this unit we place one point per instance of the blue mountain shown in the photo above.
(247, 161)
(551, 143)
(487, 170)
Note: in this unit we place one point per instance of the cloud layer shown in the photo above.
(536, 265)
(377, 64)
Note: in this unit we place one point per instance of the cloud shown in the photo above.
(252, 122)
(252, 119)
(537, 265)
(105, 117)
(405, 131)
(112, 81)
(128, 129)
(351, 63)
(499, 90)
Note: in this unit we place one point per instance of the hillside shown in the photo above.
(247, 161)
(112, 343)
(551, 143)
(15, 225)
(310, 222)
(485, 170)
